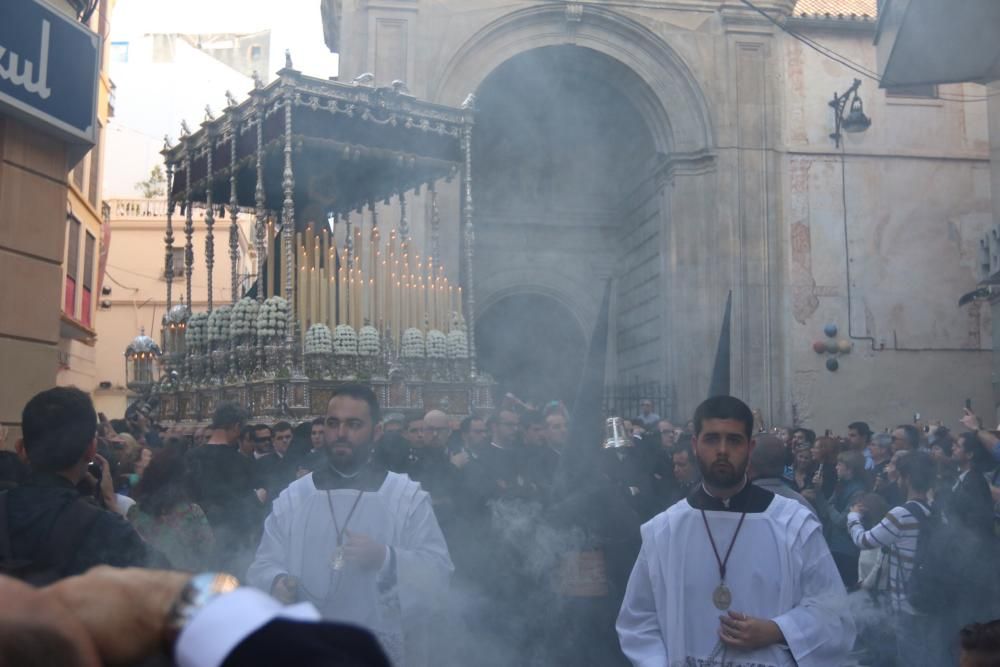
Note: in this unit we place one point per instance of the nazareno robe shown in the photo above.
(780, 569)
(299, 540)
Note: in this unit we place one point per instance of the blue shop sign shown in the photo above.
(48, 69)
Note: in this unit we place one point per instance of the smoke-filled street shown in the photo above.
(470, 333)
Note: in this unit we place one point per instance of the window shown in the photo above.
(94, 177)
(119, 52)
(89, 248)
(924, 91)
(255, 52)
(72, 267)
(77, 175)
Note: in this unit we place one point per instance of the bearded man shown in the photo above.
(360, 543)
(734, 575)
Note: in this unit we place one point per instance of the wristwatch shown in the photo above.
(199, 591)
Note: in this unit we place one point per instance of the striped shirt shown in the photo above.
(897, 534)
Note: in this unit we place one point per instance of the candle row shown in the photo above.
(383, 285)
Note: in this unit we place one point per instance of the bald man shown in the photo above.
(767, 467)
(436, 430)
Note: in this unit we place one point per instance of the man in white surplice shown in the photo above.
(360, 543)
(733, 575)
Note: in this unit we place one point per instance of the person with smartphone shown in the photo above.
(48, 529)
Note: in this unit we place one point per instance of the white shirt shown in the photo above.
(780, 569)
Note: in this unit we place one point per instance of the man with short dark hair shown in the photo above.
(52, 531)
(858, 436)
(247, 445)
(359, 542)
(556, 431)
(667, 433)
(393, 423)
(905, 437)
(276, 468)
(683, 472)
(263, 438)
(734, 574)
(226, 489)
(414, 432)
(316, 432)
(282, 438)
(474, 433)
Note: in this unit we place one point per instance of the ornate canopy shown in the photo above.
(351, 145)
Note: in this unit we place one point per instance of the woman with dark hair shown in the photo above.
(833, 510)
(803, 467)
(164, 515)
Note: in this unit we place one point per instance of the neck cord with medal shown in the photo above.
(338, 562)
(722, 597)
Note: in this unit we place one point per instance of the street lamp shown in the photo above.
(855, 120)
(142, 363)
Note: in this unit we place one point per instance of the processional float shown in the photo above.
(367, 308)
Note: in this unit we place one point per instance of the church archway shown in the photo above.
(567, 193)
(582, 119)
(533, 346)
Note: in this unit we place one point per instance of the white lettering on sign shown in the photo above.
(10, 71)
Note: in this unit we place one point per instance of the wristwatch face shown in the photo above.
(199, 592)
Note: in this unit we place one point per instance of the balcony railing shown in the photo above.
(138, 208)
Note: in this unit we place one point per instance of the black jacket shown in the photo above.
(223, 485)
(32, 509)
(971, 505)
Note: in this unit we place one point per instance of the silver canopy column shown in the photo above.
(469, 233)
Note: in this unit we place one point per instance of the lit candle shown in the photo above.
(341, 296)
(313, 295)
(301, 296)
(269, 283)
(308, 238)
(397, 313)
(331, 300)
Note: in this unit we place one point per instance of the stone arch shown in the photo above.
(549, 283)
(531, 340)
(671, 101)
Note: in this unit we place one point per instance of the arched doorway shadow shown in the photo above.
(533, 346)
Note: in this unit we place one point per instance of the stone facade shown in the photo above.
(735, 184)
(47, 186)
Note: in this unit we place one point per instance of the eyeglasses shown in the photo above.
(438, 429)
(262, 439)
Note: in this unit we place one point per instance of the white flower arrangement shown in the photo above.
(218, 325)
(196, 333)
(413, 344)
(368, 341)
(319, 340)
(458, 344)
(273, 317)
(437, 345)
(243, 319)
(345, 340)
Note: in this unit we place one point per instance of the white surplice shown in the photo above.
(300, 539)
(780, 569)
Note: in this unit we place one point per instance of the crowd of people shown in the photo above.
(496, 540)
